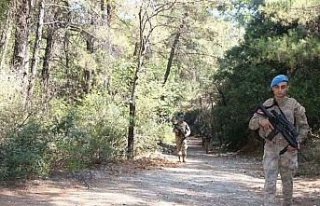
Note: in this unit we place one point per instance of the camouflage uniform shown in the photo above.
(181, 130)
(287, 163)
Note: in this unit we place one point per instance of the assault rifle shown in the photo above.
(180, 132)
(281, 124)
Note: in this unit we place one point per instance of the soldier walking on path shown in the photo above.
(274, 161)
(182, 131)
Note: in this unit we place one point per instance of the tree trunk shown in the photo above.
(132, 104)
(5, 37)
(46, 61)
(132, 109)
(50, 41)
(35, 58)
(87, 74)
(103, 9)
(144, 37)
(132, 114)
(21, 45)
(172, 52)
(67, 61)
(106, 10)
(91, 48)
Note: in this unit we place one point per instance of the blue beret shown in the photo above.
(278, 79)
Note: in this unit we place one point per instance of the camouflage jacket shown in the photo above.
(293, 111)
(182, 129)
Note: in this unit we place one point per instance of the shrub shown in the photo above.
(25, 153)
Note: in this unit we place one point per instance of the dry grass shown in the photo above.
(147, 163)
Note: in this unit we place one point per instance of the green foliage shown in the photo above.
(106, 122)
(80, 127)
(310, 167)
(90, 132)
(25, 153)
(71, 136)
(4, 7)
(153, 113)
(271, 46)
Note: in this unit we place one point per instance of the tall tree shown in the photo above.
(6, 29)
(21, 46)
(36, 48)
(278, 39)
(106, 7)
(172, 51)
(146, 15)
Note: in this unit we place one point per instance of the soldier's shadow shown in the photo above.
(166, 148)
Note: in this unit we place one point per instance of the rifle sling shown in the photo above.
(284, 150)
(272, 134)
(276, 103)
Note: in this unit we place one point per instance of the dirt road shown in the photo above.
(206, 179)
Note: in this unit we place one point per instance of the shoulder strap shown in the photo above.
(276, 104)
(273, 104)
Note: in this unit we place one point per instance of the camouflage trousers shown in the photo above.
(181, 146)
(273, 164)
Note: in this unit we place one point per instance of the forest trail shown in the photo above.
(206, 179)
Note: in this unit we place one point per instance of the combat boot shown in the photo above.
(183, 158)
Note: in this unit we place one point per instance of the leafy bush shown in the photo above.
(311, 166)
(93, 131)
(25, 153)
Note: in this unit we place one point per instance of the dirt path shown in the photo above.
(206, 179)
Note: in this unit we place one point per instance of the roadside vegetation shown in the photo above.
(88, 82)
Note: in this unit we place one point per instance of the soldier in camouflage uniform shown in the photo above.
(273, 163)
(182, 131)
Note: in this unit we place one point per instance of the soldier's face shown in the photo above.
(281, 89)
(180, 120)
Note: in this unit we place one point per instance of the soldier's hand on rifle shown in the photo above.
(292, 149)
(265, 124)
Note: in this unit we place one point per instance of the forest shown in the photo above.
(84, 82)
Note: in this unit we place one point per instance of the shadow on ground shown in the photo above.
(206, 179)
